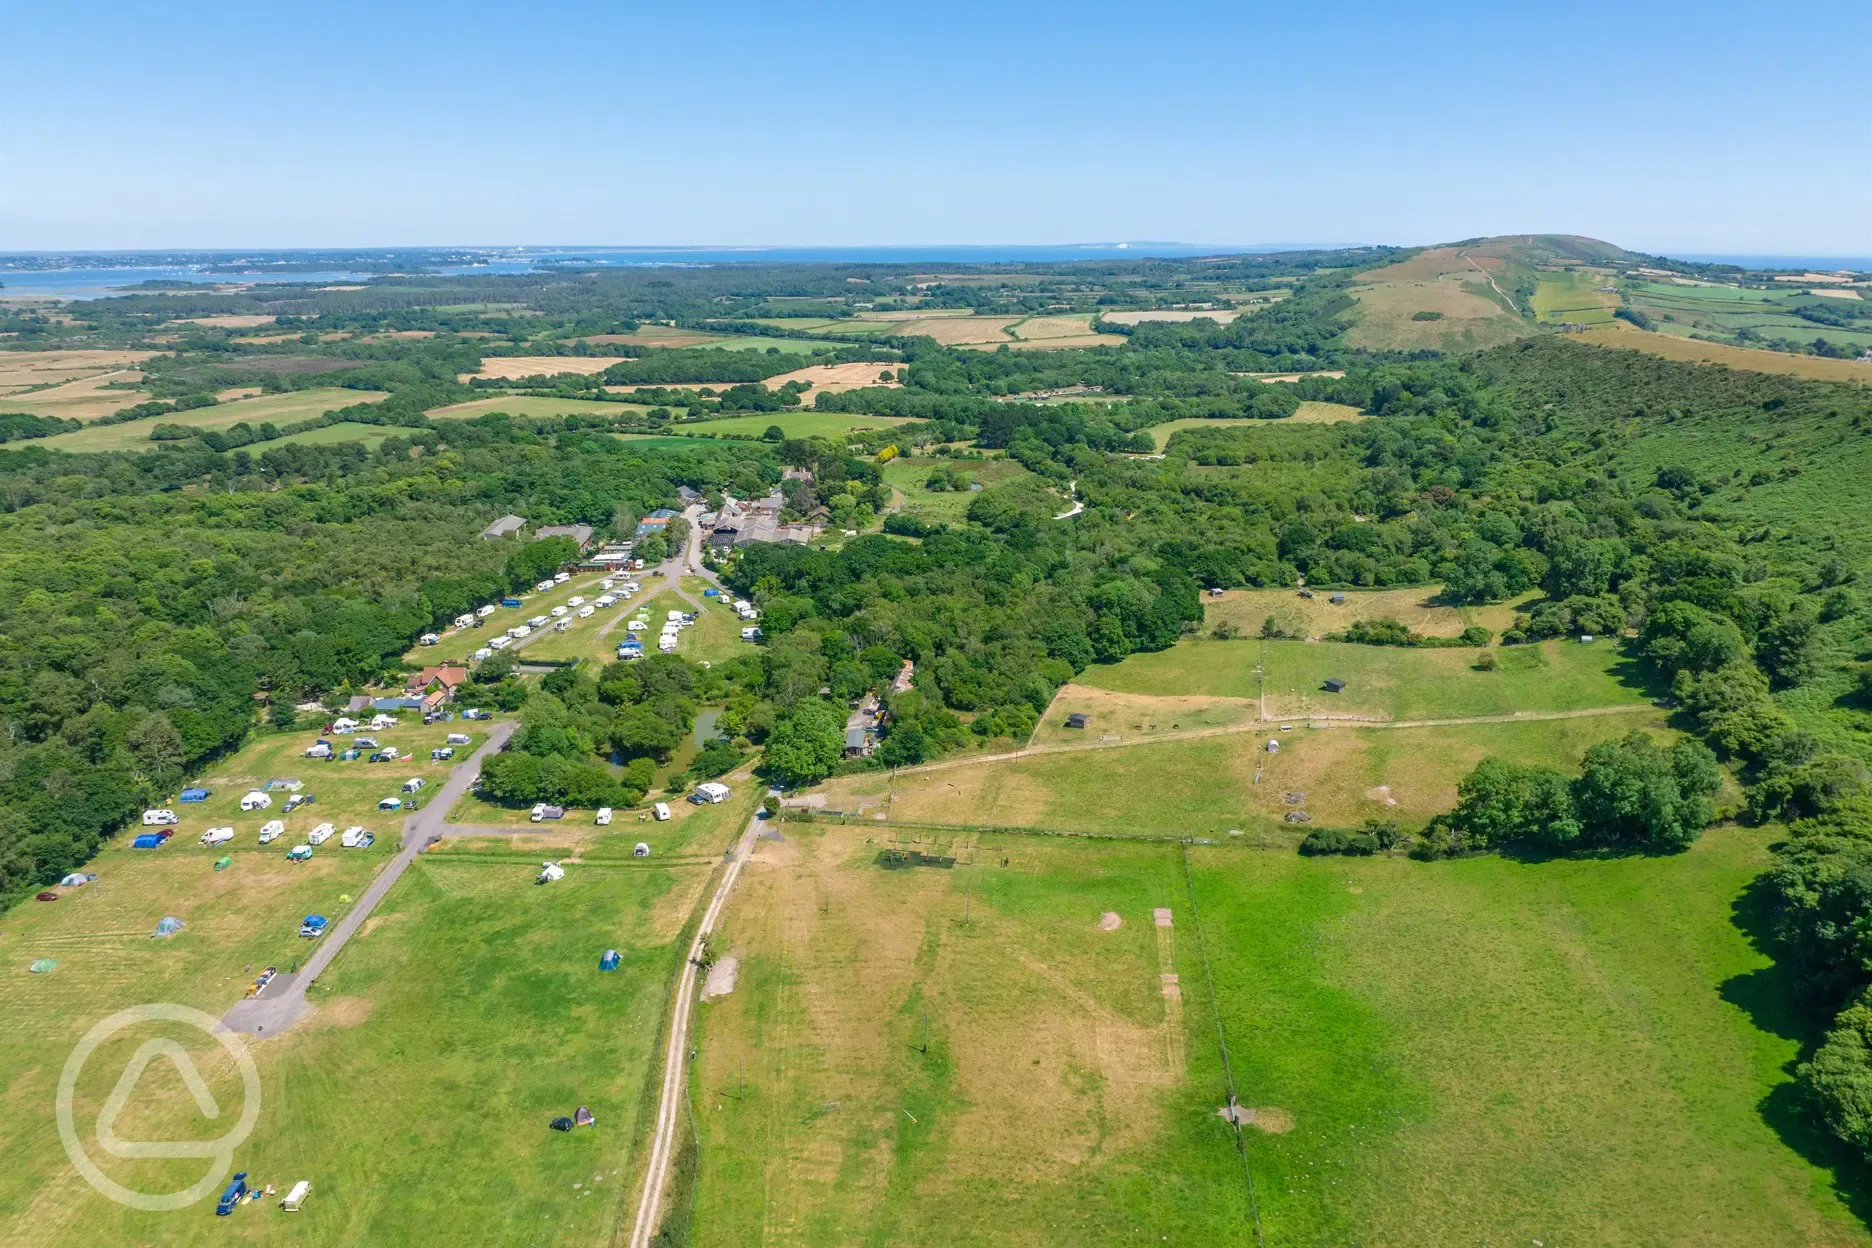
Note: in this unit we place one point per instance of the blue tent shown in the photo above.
(169, 926)
(149, 840)
(194, 795)
(610, 960)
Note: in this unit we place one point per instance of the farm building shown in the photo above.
(580, 533)
(506, 526)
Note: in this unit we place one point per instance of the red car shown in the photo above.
(47, 897)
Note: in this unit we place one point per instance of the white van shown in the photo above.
(159, 818)
(217, 836)
(661, 811)
(604, 816)
(272, 830)
(320, 834)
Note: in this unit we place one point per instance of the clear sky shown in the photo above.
(1706, 126)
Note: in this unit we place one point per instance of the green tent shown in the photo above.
(222, 864)
(41, 965)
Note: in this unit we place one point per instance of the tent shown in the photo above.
(560, 1124)
(194, 795)
(42, 965)
(76, 880)
(609, 962)
(169, 926)
(222, 864)
(583, 1118)
(550, 871)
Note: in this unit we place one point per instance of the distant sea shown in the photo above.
(79, 282)
(1819, 264)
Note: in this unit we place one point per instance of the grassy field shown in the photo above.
(279, 409)
(456, 645)
(1311, 412)
(1203, 786)
(1382, 682)
(529, 405)
(1437, 280)
(666, 336)
(1574, 295)
(1419, 609)
(466, 1013)
(1477, 1052)
(947, 506)
(1060, 1097)
(692, 832)
(330, 435)
(802, 424)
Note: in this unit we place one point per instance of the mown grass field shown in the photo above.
(1483, 1051)
(458, 644)
(529, 405)
(1574, 296)
(1383, 682)
(467, 1013)
(1311, 413)
(279, 409)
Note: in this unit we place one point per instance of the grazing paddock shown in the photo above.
(1418, 609)
(1204, 785)
(950, 1056)
(1574, 296)
(278, 409)
(805, 423)
(1383, 682)
(1133, 717)
(1174, 315)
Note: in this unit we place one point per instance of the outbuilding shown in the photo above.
(1076, 720)
(1333, 684)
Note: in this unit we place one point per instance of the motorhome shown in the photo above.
(427, 639)
(321, 834)
(484, 612)
(159, 818)
(272, 830)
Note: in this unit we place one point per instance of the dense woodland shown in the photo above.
(160, 608)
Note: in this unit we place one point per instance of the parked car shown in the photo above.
(299, 799)
(298, 853)
(314, 926)
(475, 712)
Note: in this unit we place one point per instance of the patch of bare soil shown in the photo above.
(1110, 922)
(721, 978)
(1381, 794)
(1161, 916)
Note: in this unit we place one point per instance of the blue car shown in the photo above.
(235, 1192)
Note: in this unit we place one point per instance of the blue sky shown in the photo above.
(1689, 127)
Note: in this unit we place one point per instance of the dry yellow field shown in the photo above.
(1312, 412)
(1170, 314)
(1470, 321)
(836, 377)
(1041, 328)
(512, 366)
(24, 369)
(1416, 608)
(960, 331)
(1813, 367)
(1134, 716)
(227, 322)
(78, 400)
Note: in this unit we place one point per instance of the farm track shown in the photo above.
(674, 1098)
(1259, 725)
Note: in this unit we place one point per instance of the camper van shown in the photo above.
(484, 612)
(298, 853)
(750, 634)
(321, 834)
(520, 630)
(556, 612)
(217, 836)
(159, 818)
(661, 811)
(256, 800)
(428, 639)
(357, 838)
(413, 785)
(604, 816)
(710, 792)
(272, 830)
